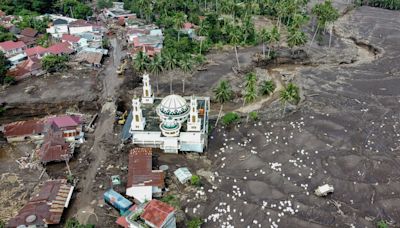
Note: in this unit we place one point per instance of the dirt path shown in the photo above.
(111, 83)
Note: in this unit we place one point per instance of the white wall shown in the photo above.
(77, 30)
(140, 193)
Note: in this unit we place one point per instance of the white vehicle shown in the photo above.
(324, 190)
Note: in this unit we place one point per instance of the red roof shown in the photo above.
(26, 68)
(54, 147)
(79, 23)
(187, 25)
(38, 50)
(70, 38)
(29, 32)
(11, 45)
(156, 212)
(2, 14)
(140, 169)
(60, 48)
(46, 207)
(65, 121)
(24, 128)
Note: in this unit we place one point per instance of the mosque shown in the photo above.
(173, 123)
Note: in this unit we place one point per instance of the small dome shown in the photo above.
(173, 105)
(170, 124)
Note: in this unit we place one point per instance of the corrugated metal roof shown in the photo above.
(156, 212)
(140, 169)
(23, 128)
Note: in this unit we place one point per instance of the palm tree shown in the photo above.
(169, 60)
(251, 80)
(325, 14)
(140, 62)
(290, 94)
(179, 20)
(296, 38)
(223, 92)
(275, 36)
(264, 37)
(235, 40)
(267, 87)
(250, 94)
(186, 65)
(156, 67)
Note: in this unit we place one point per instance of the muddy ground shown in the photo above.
(345, 132)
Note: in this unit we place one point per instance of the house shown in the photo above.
(90, 58)
(54, 147)
(59, 27)
(28, 36)
(69, 125)
(24, 130)
(30, 67)
(117, 11)
(183, 174)
(80, 26)
(11, 48)
(60, 49)
(74, 41)
(46, 207)
(143, 182)
(17, 59)
(154, 214)
(37, 52)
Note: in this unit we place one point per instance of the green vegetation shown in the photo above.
(73, 223)
(171, 200)
(253, 115)
(101, 4)
(194, 223)
(382, 224)
(2, 224)
(195, 180)
(4, 65)
(267, 87)
(385, 4)
(74, 8)
(223, 92)
(70, 178)
(6, 35)
(44, 40)
(54, 63)
(230, 118)
(250, 93)
(290, 94)
(29, 21)
(9, 80)
(23, 7)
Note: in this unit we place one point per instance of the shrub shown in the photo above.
(253, 115)
(53, 63)
(194, 223)
(10, 80)
(195, 180)
(73, 223)
(230, 118)
(382, 224)
(171, 200)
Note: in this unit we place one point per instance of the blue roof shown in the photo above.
(117, 199)
(125, 130)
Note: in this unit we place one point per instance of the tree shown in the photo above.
(290, 94)
(101, 4)
(250, 93)
(195, 223)
(253, 115)
(296, 38)
(223, 92)
(5, 35)
(54, 63)
(267, 87)
(235, 40)
(140, 63)
(156, 67)
(170, 61)
(263, 36)
(179, 19)
(273, 39)
(75, 9)
(186, 65)
(325, 13)
(4, 65)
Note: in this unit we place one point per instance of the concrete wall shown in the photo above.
(140, 193)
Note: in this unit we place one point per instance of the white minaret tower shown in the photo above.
(194, 123)
(148, 96)
(138, 121)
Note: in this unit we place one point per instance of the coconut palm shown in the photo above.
(179, 20)
(263, 36)
(325, 14)
(250, 94)
(290, 94)
(267, 87)
(235, 40)
(186, 65)
(251, 80)
(140, 63)
(223, 92)
(156, 67)
(296, 38)
(169, 60)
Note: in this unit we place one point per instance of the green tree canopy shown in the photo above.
(223, 92)
(54, 63)
(325, 13)
(4, 65)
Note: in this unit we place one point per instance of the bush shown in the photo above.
(253, 115)
(10, 80)
(194, 223)
(171, 200)
(382, 224)
(2, 224)
(73, 223)
(53, 63)
(195, 180)
(230, 118)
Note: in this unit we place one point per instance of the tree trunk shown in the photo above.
(158, 92)
(179, 34)
(237, 57)
(313, 37)
(201, 43)
(269, 52)
(263, 50)
(170, 83)
(183, 86)
(330, 36)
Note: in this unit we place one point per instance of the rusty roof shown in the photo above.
(156, 212)
(45, 207)
(29, 32)
(140, 169)
(23, 128)
(54, 147)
